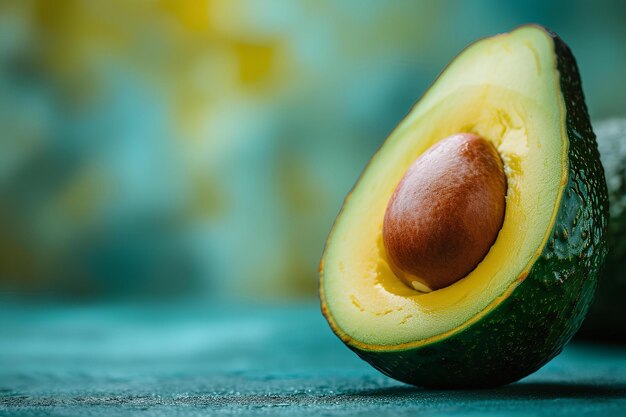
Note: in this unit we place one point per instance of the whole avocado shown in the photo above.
(606, 320)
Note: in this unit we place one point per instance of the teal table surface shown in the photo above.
(198, 359)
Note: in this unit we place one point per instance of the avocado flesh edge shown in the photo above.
(465, 89)
(534, 322)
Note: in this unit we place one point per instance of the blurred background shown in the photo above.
(202, 148)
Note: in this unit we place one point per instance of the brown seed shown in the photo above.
(446, 212)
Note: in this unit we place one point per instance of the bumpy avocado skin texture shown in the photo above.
(606, 320)
(541, 315)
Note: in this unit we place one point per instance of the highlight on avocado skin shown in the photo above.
(521, 301)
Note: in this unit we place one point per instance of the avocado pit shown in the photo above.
(445, 213)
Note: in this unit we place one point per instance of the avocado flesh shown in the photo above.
(522, 303)
(606, 320)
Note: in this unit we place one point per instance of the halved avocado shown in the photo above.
(520, 305)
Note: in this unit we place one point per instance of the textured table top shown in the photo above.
(202, 359)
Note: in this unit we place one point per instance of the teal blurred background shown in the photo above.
(171, 149)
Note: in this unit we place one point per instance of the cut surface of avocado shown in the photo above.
(521, 92)
(505, 90)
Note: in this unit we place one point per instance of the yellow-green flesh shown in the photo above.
(505, 89)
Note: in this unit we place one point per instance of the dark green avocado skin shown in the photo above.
(533, 324)
(606, 321)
